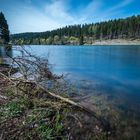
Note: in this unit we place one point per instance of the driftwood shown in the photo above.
(67, 100)
(104, 123)
(30, 65)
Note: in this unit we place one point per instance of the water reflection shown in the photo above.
(5, 53)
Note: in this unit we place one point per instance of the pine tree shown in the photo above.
(128, 28)
(81, 41)
(4, 28)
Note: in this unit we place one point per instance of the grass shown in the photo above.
(28, 116)
(46, 122)
(42, 116)
(45, 133)
(10, 110)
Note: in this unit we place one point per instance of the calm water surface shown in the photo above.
(110, 69)
(114, 69)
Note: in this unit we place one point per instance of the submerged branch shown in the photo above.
(34, 71)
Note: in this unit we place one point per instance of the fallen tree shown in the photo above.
(35, 74)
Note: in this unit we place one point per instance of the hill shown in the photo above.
(119, 29)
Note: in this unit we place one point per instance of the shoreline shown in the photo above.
(96, 42)
(116, 42)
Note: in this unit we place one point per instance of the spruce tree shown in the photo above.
(4, 28)
(128, 28)
(81, 41)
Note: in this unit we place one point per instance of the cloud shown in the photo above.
(121, 4)
(55, 14)
(108, 13)
(91, 10)
(36, 15)
(59, 11)
(31, 20)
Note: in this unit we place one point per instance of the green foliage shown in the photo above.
(81, 42)
(47, 122)
(128, 28)
(45, 133)
(10, 110)
(58, 124)
(4, 31)
(37, 115)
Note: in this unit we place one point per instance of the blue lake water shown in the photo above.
(114, 69)
(108, 69)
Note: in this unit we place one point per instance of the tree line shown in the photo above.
(4, 29)
(128, 28)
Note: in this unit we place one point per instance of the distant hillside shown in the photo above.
(128, 28)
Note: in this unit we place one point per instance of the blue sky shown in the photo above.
(43, 15)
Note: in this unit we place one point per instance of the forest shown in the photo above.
(128, 28)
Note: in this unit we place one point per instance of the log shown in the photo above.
(104, 123)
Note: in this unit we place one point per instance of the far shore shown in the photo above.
(117, 42)
(95, 42)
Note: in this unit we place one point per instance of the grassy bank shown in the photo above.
(32, 114)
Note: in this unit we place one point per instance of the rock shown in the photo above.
(3, 97)
(97, 127)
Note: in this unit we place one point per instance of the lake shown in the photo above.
(113, 72)
(111, 69)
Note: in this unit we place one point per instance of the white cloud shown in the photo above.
(57, 13)
(88, 12)
(32, 20)
(119, 5)
(106, 14)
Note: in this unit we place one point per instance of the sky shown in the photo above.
(43, 15)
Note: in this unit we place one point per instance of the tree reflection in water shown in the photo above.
(5, 51)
